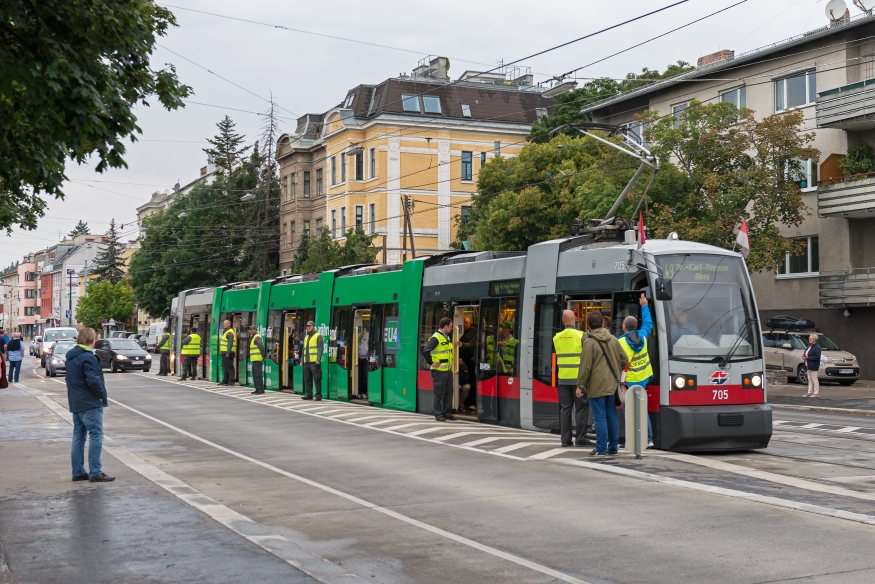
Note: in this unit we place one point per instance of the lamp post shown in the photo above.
(70, 273)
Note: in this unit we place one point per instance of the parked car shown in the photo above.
(786, 322)
(139, 339)
(122, 355)
(156, 330)
(56, 360)
(35, 345)
(118, 335)
(785, 350)
(50, 336)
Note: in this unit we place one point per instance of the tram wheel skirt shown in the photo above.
(714, 428)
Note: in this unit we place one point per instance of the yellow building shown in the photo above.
(422, 136)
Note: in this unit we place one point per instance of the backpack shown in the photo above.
(14, 345)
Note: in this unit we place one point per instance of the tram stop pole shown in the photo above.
(636, 419)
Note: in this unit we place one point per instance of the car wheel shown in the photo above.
(54, 373)
(42, 362)
(145, 369)
(802, 375)
(846, 383)
(113, 367)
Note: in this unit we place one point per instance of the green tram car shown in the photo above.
(708, 390)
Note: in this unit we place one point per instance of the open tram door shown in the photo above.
(465, 366)
(290, 357)
(360, 351)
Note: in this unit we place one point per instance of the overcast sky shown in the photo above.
(310, 73)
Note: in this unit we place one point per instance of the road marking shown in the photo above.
(549, 453)
(510, 436)
(517, 446)
(849, 429)
(495, 438)
(811, 426)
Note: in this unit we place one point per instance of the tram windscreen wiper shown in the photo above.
(748, 320)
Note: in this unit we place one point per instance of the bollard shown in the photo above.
(636, 419)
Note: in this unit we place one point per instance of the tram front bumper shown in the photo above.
(714, 428)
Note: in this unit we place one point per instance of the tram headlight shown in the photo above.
(680, 382)
(752, 381)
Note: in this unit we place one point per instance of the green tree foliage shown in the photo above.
(859, 160)
(568, 104)
(208, 236)
(105, 300)
(80, 229)
(325, 253)
(109, 263)
(732, 166)
(71, 73)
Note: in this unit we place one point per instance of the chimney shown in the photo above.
(714, 57)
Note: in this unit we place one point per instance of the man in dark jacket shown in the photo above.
(812, 366)
(86, 395)
(164, 349)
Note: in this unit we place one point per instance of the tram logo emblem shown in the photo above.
(719, 378)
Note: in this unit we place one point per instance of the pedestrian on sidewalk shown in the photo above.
(15, 354)
(312, 357)
(601, 361)
(86, 395)
(256, 357)
(438, 352)
(812, 365)
(568, 346)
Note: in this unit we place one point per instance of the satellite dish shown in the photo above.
(836, 9)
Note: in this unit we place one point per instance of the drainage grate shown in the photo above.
(730, 419)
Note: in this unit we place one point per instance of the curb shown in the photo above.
(870, 413)
(5, 572)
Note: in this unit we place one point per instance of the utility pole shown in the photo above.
(408, 226)
(70, 273)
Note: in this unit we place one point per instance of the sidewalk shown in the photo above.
(859, 397)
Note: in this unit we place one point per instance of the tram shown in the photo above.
(708, 391)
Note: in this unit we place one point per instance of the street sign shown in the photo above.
(69, 314)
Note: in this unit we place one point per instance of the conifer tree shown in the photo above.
(109, 264)
(80, 229)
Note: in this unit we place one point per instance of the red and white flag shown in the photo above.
(743, 238)
(641, 239)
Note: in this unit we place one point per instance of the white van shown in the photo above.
(156, 329)
(51, 336)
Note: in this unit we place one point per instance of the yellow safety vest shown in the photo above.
(311, 348)
(193, 347)
(639, 363)
(223, 340)
(441, 356)
(508, 354)
(254, 351)
(568, 345)
(168, 345)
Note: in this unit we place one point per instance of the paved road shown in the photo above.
(226, 484)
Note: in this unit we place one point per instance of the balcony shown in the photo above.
(850, 107)
(853, 287)
(849, 196)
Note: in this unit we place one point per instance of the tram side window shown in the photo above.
(432, 313)
(338, 351)
(491, 339)
(274, 334)
(385, 333)
(548, 315)
(508, 344)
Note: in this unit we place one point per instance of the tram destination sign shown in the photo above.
(505, 288)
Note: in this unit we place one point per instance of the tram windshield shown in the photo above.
(710, 312)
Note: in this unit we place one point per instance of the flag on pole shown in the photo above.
(743, 238)
(641, 238)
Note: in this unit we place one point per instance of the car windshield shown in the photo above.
(826, 343)
(57, 335)
(123, 345)
(62, 348)
(710, 306)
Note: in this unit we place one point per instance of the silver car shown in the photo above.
(35, 345)
(785, 350)
(56, 359)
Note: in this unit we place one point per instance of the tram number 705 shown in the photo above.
(720, 394)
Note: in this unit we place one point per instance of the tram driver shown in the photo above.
(681, 326)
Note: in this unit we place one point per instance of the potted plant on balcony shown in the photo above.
(859, 162)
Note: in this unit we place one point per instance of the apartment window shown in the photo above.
(306, 228)
(360, 166)
(319, 225)
(795, 91)
(318, 182)
(497, 149)
(372, 162)
(467, 166)
(737, 97)
(372, 217)
(333, 170)
(636, 132)
(342, 221)
(466, 110)
(349, 100)
(806, 262)
(482, 159)
(294, 184)
(306, 183)
(806, 175)
(466, 215)
(29, 276)
(30, 293)
(292, 233)
(343, 169)
(30, 311)
(676, 110)
(334, 223)
(410, 103)
(432, 104)
(359, 217)
(284, 189)
(541, 112)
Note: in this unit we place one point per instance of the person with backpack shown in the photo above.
(15, 355)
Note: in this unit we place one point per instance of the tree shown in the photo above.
(733, 166)
(71, 73)
(80, 229)
(326, 253)
(105, 300)
(227, 147)
(109, 264)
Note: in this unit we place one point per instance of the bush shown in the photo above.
(859, 160)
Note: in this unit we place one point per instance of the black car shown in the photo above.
(786, 322)
(122, 355)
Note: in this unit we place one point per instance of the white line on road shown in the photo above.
(811, 426)
(549, 453)
(849, 429)
(517, 446)
(495, 438)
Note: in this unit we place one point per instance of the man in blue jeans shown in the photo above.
(15, 355)
(86, 395)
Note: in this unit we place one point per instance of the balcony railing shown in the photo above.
(850, 107)
(852, 287)
(849, 196)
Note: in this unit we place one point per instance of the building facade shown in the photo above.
(9, 287)
(422, 137)
(828, 73)
(28, 295)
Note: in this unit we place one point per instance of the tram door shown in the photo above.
(201, 322)
(359, 348)
(289, 358)
(465, 318)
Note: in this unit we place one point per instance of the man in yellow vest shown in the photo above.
(228, 353)
(311, 357)
(438, 351)
(256, 357)
(164, 345)
(634, 344)
(507, 349)
(191, 350)
(568, 345)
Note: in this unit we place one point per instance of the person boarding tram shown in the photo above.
(227, 349)
(568, 345)
(164, 349)
(256, 357)
(312, 359)
(634, 344)
(364, 345)
(438, 351)
(191, 350)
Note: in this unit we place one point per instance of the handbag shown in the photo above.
(622, 388)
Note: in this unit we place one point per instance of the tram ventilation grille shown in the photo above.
(730, 419)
